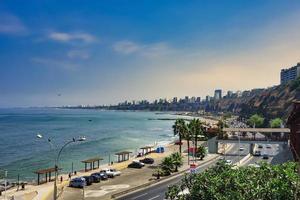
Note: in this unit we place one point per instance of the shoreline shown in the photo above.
(44, 190)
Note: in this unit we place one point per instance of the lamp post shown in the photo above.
(81, 139)
(239, 148)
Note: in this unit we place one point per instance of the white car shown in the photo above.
(112, 172)
(241, 148)
(228, 162)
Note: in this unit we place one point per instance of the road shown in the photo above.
(157, 192)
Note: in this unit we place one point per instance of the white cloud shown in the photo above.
(147, 50)
(10, 24)
(56, 63)
(126, 47)
(69, 37)
(78, 54)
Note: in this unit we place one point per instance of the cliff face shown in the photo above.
(271, 102)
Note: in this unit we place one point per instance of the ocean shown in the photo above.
(106, 132)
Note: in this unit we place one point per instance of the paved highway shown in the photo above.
(157, 192)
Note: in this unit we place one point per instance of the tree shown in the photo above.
(158, 172)
(196, 129)
(256, 120)
(220, 125)
(201, 152)
(173, 192)
(167, 165)
(247, 183)
(179, 128)
(276, 123)
(177, 160)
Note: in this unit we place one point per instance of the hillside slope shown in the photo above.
(271, 102)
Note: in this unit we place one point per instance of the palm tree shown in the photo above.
(201, 152)
(179, 129)
(188, 136)
(167, 165)
(177, 160)
(195, 129)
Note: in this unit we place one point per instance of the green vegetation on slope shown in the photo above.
(222, 182)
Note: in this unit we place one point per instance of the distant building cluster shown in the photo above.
(187, 100)
(290, 74)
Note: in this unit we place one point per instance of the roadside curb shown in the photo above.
(158, 181)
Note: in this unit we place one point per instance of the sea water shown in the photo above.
(106, 132)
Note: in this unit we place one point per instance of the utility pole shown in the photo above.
(5, 184)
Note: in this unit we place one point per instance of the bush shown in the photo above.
(201, 152)
(280, 182)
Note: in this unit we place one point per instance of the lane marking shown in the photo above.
(139, 196)
(154, 197)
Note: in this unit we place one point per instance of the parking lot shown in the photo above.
(106, 188)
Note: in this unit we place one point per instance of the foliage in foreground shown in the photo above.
(221, 182)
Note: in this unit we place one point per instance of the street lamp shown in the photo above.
(81, 139)
(5, 182)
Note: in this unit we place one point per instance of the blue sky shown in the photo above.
(102, 52)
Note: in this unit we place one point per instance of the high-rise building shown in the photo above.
(218, 94)
(174, 100)
(207, 98)
(186, 99)
(193, 100)
(290, 74)
(229, 94)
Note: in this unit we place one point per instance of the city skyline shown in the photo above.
(106, 52)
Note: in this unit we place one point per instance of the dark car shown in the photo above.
(88, 180)
(265, 156)
(136, 165)
(96, 177)
(147, 160)
(103, 175)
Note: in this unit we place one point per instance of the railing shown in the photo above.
(247, 138)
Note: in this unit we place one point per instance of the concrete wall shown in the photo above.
(212, 144)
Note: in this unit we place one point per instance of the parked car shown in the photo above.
(147, 161)
(96, 177)
(103, 175)
(260, 146)
(88, 180)
(265, 156)
(241, 148)
(111, 172)
(78, 182)
(257, 153)
(228, 162)
(269, 146)
(136, 164)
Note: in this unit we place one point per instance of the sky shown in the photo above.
(72, 52)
